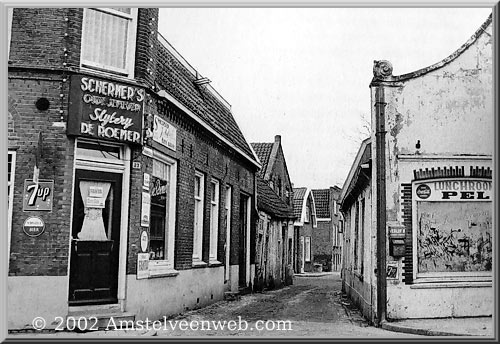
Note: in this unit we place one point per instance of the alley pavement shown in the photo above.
(314, 307)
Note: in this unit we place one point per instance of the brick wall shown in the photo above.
(48, 253)
(196, 150)
(38, 66)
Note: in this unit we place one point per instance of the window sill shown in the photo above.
(452, 282)
(199, 264)
(159, 274)
(214, 263)
(443, 284)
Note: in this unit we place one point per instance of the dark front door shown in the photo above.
(243, 241)
(95, 238)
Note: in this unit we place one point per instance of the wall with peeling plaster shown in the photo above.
(447, 109)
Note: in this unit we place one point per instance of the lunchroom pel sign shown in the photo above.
(464, 189)
(105, 109)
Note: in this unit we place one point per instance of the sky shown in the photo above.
(304, 73)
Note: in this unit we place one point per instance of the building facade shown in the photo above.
(129, 179)
(358, 264)
(306, 222)
(431, 188)
(275, 240)
(325, 238)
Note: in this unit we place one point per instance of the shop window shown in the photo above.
(11, 166)
(108, 39)
(159, 191)
(199, 186)
(214, 219)
(307, 242)
(453, 228)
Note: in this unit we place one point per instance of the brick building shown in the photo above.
(275, 245)
(304, 209)
(419, 195)
(129, 179)
(325, 241)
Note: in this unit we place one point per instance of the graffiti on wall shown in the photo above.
(454, 236)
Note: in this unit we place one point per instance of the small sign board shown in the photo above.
(96, 191)
(146, 181)
(164, 133)
(145, 209)
(392, 270)
(38, 196)
(142, 265)
(94, 202)
(144, 241)
(33, 226)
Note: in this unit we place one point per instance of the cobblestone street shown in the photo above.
(314, 307)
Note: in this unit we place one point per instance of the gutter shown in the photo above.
(381, 205)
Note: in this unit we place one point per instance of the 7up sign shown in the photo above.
(38, 196)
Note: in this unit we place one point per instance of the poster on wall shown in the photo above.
(142, 265)
(454, 236)
(38, 196)
(145, 209)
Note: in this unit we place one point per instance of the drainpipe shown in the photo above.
(381, 204)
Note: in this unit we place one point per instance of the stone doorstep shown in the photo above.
(103, 315)
(232, 296)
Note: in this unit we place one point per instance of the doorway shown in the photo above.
(95, 237)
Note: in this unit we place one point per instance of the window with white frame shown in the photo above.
(9, 29)
(11, 166)
(199, 186)
(214, 219)
(108, 39)
(307, 249)
(227, 219)
(308, 214)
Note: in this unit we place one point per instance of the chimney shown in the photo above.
(277, 139)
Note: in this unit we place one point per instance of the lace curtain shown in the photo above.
(93, 223)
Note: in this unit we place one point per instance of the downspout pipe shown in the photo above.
(381, 204)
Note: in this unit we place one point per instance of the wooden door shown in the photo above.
(95, 237)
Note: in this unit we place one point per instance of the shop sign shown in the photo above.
(142, 265)
(454, 190)
(159, 188)
(105, 109)
(38, 196)
(145, 209)
(164, 133)
(147, 151)
(33, 226)
(144, 241)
